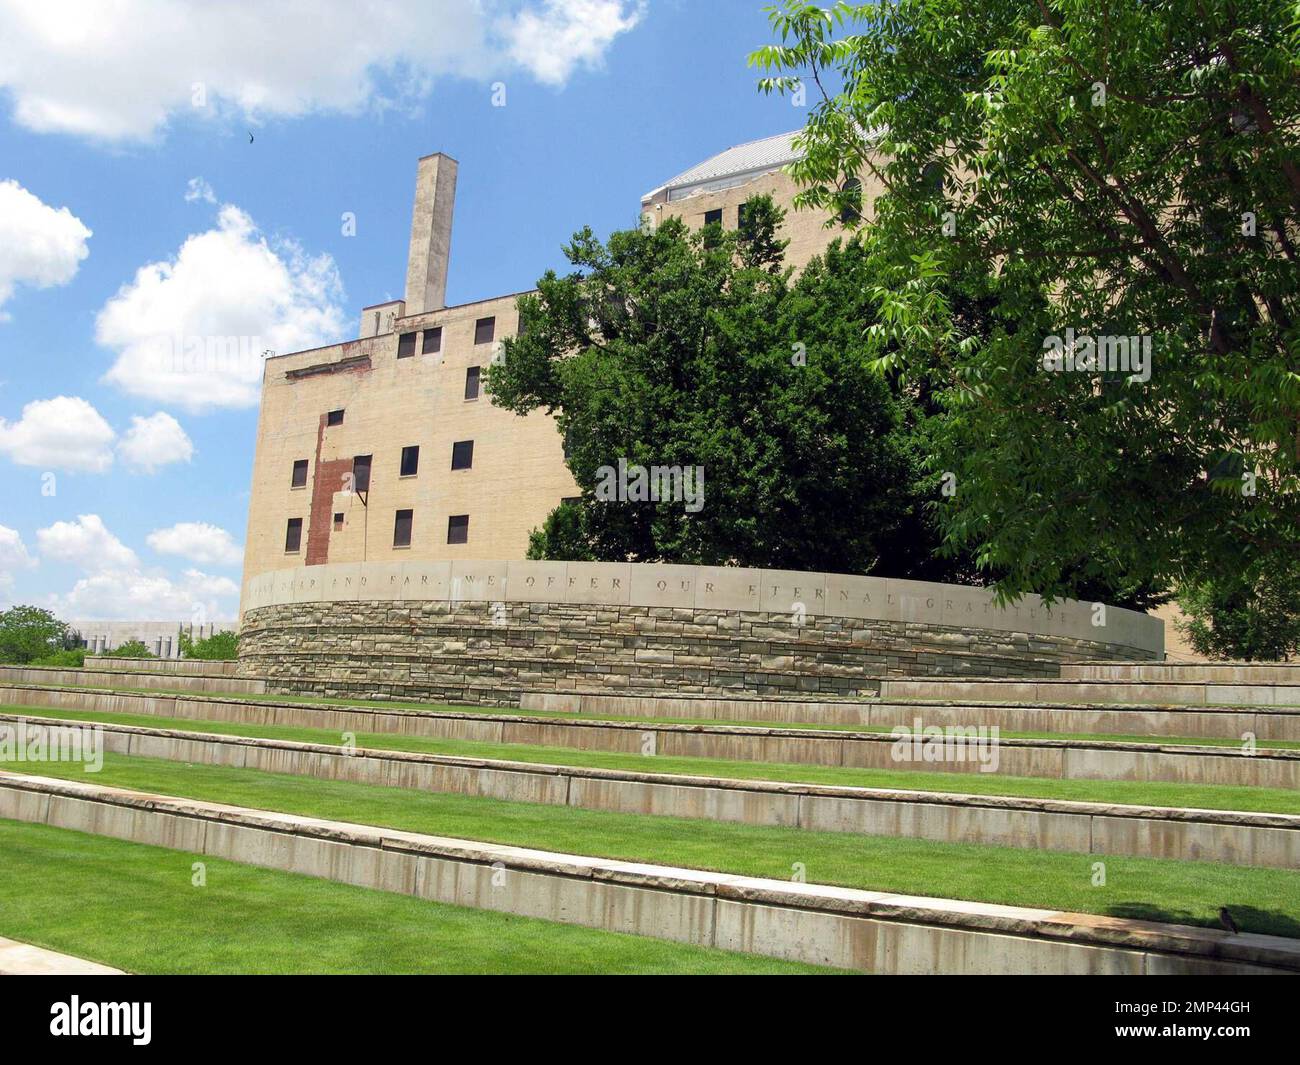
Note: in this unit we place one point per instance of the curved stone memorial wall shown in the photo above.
(486, 632)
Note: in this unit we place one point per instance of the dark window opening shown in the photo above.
(402, 528)
(338, 522)
(361, 473)
(851, 208)
(571, 501)
(334, 417)
(458, 529)
(410, 460)
(432, 341)
(293, 536)
(299, 474)
(713, 218)
(485, 330)
(472, 377)
(406, 345)
(462, 454)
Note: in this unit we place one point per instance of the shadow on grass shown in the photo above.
(1248, 918)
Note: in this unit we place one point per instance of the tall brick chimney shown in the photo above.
(426, 267)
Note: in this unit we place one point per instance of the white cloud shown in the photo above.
(85, 543)
(130, 595)
(13, 556)
(63, 433)
(121, 71)
(551, 40)
(154, 442)
(117, 587)
(191, 331)
(39, 245)
(199, 542)
(198, 189)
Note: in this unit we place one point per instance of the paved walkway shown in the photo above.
(22, 959)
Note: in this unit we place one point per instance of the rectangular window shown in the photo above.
(458, 529)
(299, 474)
(402, 528)
(406, 345)
(334, 417)
(432, 341)
(472, 376)
(338, 522)
(410, 460)
(712, 218)
(485, 331)
(462, 454)
(361, 473)
(293, 536)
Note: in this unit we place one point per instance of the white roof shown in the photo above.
(754, 157)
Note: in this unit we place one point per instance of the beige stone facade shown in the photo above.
(403, 384)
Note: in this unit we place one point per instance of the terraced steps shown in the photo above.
(195, 667)
(874, 931)
(165, 681)
(956, 752)
(1189, 834)
(1276, 723)
(1181, 673)
(1184, 693)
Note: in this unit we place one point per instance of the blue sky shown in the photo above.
(106, 129)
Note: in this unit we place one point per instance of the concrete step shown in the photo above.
(1219, 722)
(194, 667)
(1231, 837)
(869, 931)
(113, 678)
(1179, 673)
(947, 752)
(1186, 693)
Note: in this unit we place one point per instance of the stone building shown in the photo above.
(385, 448)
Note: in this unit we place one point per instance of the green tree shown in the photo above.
(219, 647)
(131, 649)
(28, 633)
(1132, 169)
(665, 347)
(1256, 617)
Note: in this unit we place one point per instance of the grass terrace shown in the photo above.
(1262, 900)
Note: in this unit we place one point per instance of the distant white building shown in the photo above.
(161, 638)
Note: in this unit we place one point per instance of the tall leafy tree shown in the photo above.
(30, 632)
(665, 347)
(1129, 169)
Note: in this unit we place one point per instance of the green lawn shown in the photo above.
(1199, 796)
(134, 907)
(558, 715)
(1262, 900)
